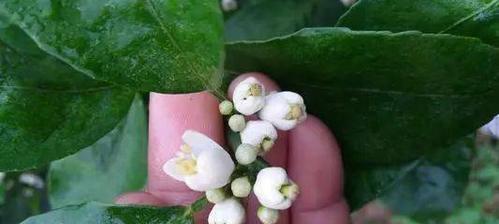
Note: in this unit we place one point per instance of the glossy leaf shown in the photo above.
(47, 109)
(113, 165)
(474, 18)
(151, 45)
(257, 19)
(94, 212)
(389, 98)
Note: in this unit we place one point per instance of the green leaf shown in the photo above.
(257, 19)
(94, 212)
(427, 189)
(474, 18)
(389, 98)
(151, 45)
(113, 165)
(47, 109)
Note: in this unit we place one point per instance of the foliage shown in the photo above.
(401, 87)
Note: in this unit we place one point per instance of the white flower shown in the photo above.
(229, 211)
(274, 189)
(2, 176)
(492, 128)
(267, 215)
(246, 154)
(249, 96)
(225, 107)
(229, 5)
(260, 134)
(237, 122)
(241, 187)
(348, 3)
(216, 195)
(31, 180)
(284, 110)
(202, 164)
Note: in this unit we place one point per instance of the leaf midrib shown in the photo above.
(459, 22)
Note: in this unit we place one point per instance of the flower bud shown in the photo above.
(246, 154)
(284, 110)
(237, 123)
(249, 96)
(216, 195)
(225, 107)
(229, 5)
(260, 134)
(491, 128)
(229, 211)
(274, 189)
(348, 3)
(267, 215)
(241, 187)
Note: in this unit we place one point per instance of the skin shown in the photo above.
(309, 153)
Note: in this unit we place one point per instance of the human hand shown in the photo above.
(309, 153)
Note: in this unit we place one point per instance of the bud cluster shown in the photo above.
(203, 165)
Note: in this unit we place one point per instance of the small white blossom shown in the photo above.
(2, 176)
(246, 154)
(267, 215)
(216, 195)
(492, 128)
(261, 134)
(241, 187)
(229, 211)
(229, 5)
(348, 3)
(249, 96)
(31, 180)
(274, 189)
(201, 163)
(284, 110)
(225, 107)
(237, 123)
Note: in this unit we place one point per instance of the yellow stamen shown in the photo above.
(186, 148)
(186, 166)
(255, 90)
(290, 191)
(295, 112)
(267, 144)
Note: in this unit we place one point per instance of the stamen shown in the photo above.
(295, 112)
(186, 166)
(255, 90)
(186, 148)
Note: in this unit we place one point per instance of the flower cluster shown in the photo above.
(203, 165)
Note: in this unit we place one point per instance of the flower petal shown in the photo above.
(170, 168)
(229, 211)
(214, 168)
(244, 102)
(267, 187)
(199, 142)
(256, 131)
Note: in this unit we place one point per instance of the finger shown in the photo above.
(277, 156)
(315, 165)
(169, 117)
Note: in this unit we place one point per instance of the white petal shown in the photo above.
(229, 211)
(267, 187)
(278, 106)
(243, 101)
(256, 131)
(170, 168)
(492, 128)
(214, 168)
(199, 142)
